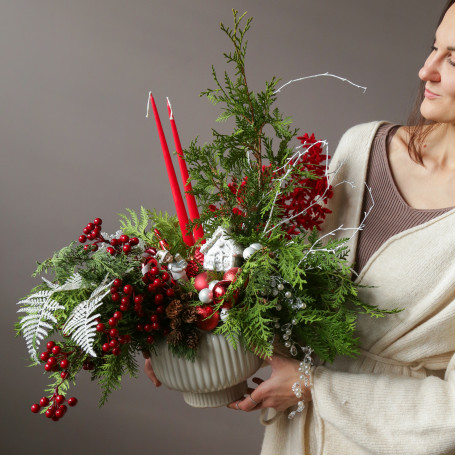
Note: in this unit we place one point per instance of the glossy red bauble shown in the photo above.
(207, 318)
(201, 281)
(231, 274)
(219, 290)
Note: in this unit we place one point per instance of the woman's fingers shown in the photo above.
(150, 372)
(252, 401)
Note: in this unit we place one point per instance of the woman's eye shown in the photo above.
(450, 61)
(433, 48)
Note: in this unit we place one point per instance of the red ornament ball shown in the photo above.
(230, 275)
(219, 290)
(201, 281)
(207, 319)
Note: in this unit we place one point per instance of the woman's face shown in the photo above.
(438, 73)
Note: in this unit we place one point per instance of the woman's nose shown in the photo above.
(430, 70)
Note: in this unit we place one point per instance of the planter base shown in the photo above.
(216, 398)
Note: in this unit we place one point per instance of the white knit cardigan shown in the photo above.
(398, 396)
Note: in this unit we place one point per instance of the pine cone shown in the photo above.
(192, 338)
(174, 337)
(189, 315)
(176, 323)
(174, 308)
(190, 296)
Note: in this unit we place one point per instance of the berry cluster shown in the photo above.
(56, 408)
(92, 232)
(55, 359)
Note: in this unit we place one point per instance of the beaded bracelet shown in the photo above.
(304, 369)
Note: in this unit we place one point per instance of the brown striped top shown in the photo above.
(390, 214)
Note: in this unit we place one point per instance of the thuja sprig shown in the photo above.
(227, 174)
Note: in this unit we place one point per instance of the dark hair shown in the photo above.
(417, 126)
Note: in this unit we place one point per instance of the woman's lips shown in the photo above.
(430, 95)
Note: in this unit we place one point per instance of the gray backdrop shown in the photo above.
(75, 145)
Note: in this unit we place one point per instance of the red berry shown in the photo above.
(113, 343)
(90, 226)
(122, 339)
(114, 242)
(64, 363)
(114, 289)
(155, 326)
(97, 230)
(125, 300)
(97, 221)
(44, 401)
(115, 297)
(72, 401)
(127, 338)
(50, 344)
(137, 307)
(165, 277)
(44, 356)
(117, 283)
(82, 239)
(157, 282)
(51, 361)
(86, 247)
(123, 307)
(64, 375)
(134, 241)
(49, 413)
(154, 270)
(126, 248)
(116, 351)
(139, 299)
(169, 292)
(113, 332)
(151, 287)
(139, 327)
(35, 408)
(124, 238)
(159, 298)
(106, 347)
(150, 339)
(112, 321)
(58, 414)
(128, 289)
(90, 236)
(111, 250)
(60, 399)
(100, 327)
(160, 309)
(56, 350)
(118, 315)
(148, 328)
(165, 332)
(86, 230)
(154, 318)
(62, 408)
(94, 247)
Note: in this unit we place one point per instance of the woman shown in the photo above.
(398, 396)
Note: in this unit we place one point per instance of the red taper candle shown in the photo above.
(177, 197)
(198, 232)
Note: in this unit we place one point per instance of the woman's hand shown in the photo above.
(276, 391)
(150, 371)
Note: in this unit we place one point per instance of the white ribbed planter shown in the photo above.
(216, 378)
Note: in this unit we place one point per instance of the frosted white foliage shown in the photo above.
(81, 323)
(72, 283)
(34, 326)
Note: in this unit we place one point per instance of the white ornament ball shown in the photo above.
(213, 283)
(280, 286)
(256, 246)
(248, 252)
(205, 296)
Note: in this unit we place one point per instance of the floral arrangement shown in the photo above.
(251, 266)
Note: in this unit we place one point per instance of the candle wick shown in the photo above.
(148, 105)
(170, 109)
